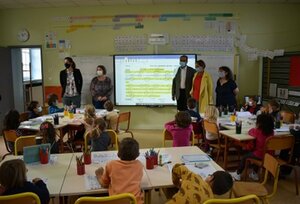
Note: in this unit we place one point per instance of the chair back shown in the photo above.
(288, 117)
(123, 118)
(168, 136)
(276, 143)
(272, 166)
(9, 136)
(45, 110)
(24, 116)
(244, 199)
(124, 198)
(27, 197)
(23, 141)
(213, 128)
(113, 138)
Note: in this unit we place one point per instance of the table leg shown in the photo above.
(225, 152)
(147, 196)
(61, 136)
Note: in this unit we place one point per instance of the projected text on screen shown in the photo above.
(146, 79)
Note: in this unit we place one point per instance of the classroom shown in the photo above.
(248, 34)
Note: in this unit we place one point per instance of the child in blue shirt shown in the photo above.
(52, 102)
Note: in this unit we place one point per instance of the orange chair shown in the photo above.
(125, 119)
(24, 116)
(288, 117)
(23, 141)
(9, 136)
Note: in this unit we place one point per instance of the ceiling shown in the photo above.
(9, 4)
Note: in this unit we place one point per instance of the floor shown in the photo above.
(153, 138)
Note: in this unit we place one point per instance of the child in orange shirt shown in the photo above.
(124, 175)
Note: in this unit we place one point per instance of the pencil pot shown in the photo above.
(44, 157)
(87, 158)
(80, 169)
(238, 127)
(155, 159)
(149, 163)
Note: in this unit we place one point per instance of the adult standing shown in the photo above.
(101, 87)
(182, 84)
(202, 89)
(71, 83)
(226, 89)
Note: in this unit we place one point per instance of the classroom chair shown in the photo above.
(272, 167)
(113, 138)
(9, 136)
(168, 136)
(27, 197)
(278, 143)
(124, 198)
(24, 141)
(124, 118)
(288, 117)
(198, 131)
(249, 199)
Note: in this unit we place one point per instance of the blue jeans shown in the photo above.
(99, 104)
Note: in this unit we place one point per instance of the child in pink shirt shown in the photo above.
(263, 130)
(124, 175)
(180, 129)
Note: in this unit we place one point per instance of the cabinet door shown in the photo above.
(6, 85)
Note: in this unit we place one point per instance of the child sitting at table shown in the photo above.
(87, 121)
(191, 104)
(53, 102)
(211, 114)
(34, 109)
(251, 105)
(111, 116)
(48, 133)
(12, 122)
(193, 188)
(124, 175)
(100, 140)
(180, 129)
(13, 180)
(263, 130)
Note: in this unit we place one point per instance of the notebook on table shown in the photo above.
(32, 153)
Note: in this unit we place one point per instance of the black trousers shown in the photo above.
(181, 101)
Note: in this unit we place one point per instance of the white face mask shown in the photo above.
(250, 103)
(199, 69)
(99, 73)
(39, 109)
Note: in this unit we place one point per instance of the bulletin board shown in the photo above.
(281, 80)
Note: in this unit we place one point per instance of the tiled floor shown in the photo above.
(153, 138)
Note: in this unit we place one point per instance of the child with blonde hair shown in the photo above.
(13, 180)
(181, 129)
(111, 116)
(100, 140)
(211, 114)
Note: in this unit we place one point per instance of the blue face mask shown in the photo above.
(182, 64)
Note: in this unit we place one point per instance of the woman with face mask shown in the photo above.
(202, 88)
(101, 87)
(71, 83)
(226, 89)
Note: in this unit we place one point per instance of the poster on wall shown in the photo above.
(50, 40)
(282, 93)
(272, 90)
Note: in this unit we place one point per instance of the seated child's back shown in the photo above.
(100, 140)
(125, 175)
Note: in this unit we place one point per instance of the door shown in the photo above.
(6, 90)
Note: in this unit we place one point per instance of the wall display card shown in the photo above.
(272, 90)
(282, 93)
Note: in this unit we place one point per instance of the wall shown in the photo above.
(267, 26)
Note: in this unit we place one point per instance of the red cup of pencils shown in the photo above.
(44, 156)
(149, 163)
(87, 158)
(80, 165)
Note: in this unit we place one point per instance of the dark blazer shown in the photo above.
(188, 82)
(77, 77)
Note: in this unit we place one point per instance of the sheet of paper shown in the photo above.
(91, 182)
(273, 90)
(103, 157)
(244, 114)
(203, 172)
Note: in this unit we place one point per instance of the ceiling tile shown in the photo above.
(165, 1)
(139, 2)
(220, 1)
